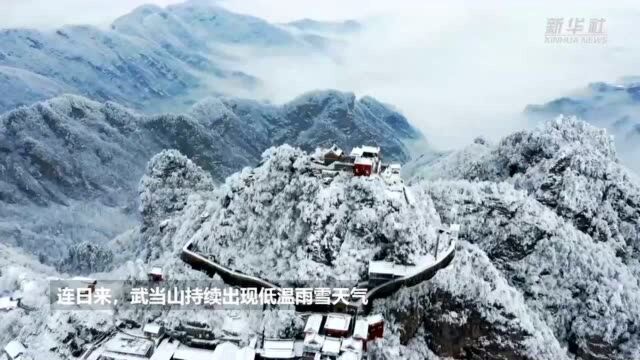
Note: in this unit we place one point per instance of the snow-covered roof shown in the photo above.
(375, 319)
(14, 349)
(363, 161)
(395, 168)
(336, 150)
(381, 267)
(350, 356)
(124, 344)
(331, 346)
(245, 353)
(278, 349)
(361, 329)
(387, 267)
(156, 271)
(298, 348)
(370, 149)
(313, 323)
(225, 351)
(454, 227)
(152, 328)
(338, 322)
(356, 151)
(189, 353)
(165, 350)
(7, 303)
(351, 344)
(313, 341)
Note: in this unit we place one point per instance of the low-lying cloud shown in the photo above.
(457, 70)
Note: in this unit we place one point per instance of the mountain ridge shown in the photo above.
(529, 281)
(614, 106)
(69, 150)
(150, 59)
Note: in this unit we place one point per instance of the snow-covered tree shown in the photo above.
(87, 258)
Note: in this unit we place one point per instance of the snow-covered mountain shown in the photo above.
(548, 263)
(199, 24)
(615, 106)
(151, 59)
(81, 160)
(559, 218)
(546, 267)
(317, 228)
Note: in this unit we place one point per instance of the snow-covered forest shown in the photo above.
(121, 144)
(546, 268)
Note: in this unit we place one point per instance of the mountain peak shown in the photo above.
(305, 226)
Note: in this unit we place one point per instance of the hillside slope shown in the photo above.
(287, 221)
(79, 161)
(558, 217)
(530, 279)
(150, 59)
(547, 267)
(614, 106)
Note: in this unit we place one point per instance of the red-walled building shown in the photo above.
(363, 166)
(376, 327)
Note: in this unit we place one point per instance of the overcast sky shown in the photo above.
(457, 69)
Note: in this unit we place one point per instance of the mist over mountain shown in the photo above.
(614, 106)
(120, 145)
(151, 59)
(326, 27)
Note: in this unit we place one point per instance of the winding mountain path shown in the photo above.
(235, 278)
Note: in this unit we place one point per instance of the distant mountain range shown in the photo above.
(69, 151)
(615, 107)
(151, 59)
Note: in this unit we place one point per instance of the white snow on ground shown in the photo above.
(288, 224)
(544, 269)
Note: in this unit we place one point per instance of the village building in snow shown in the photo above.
(337, 325)
(314, 324)
(332, 155)
(155, 274)
(376, 327)
(278, 349)
(14, 350)
(361, 161)
(153, 331)
(331, 346)
(123, 346)
(337, 336)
